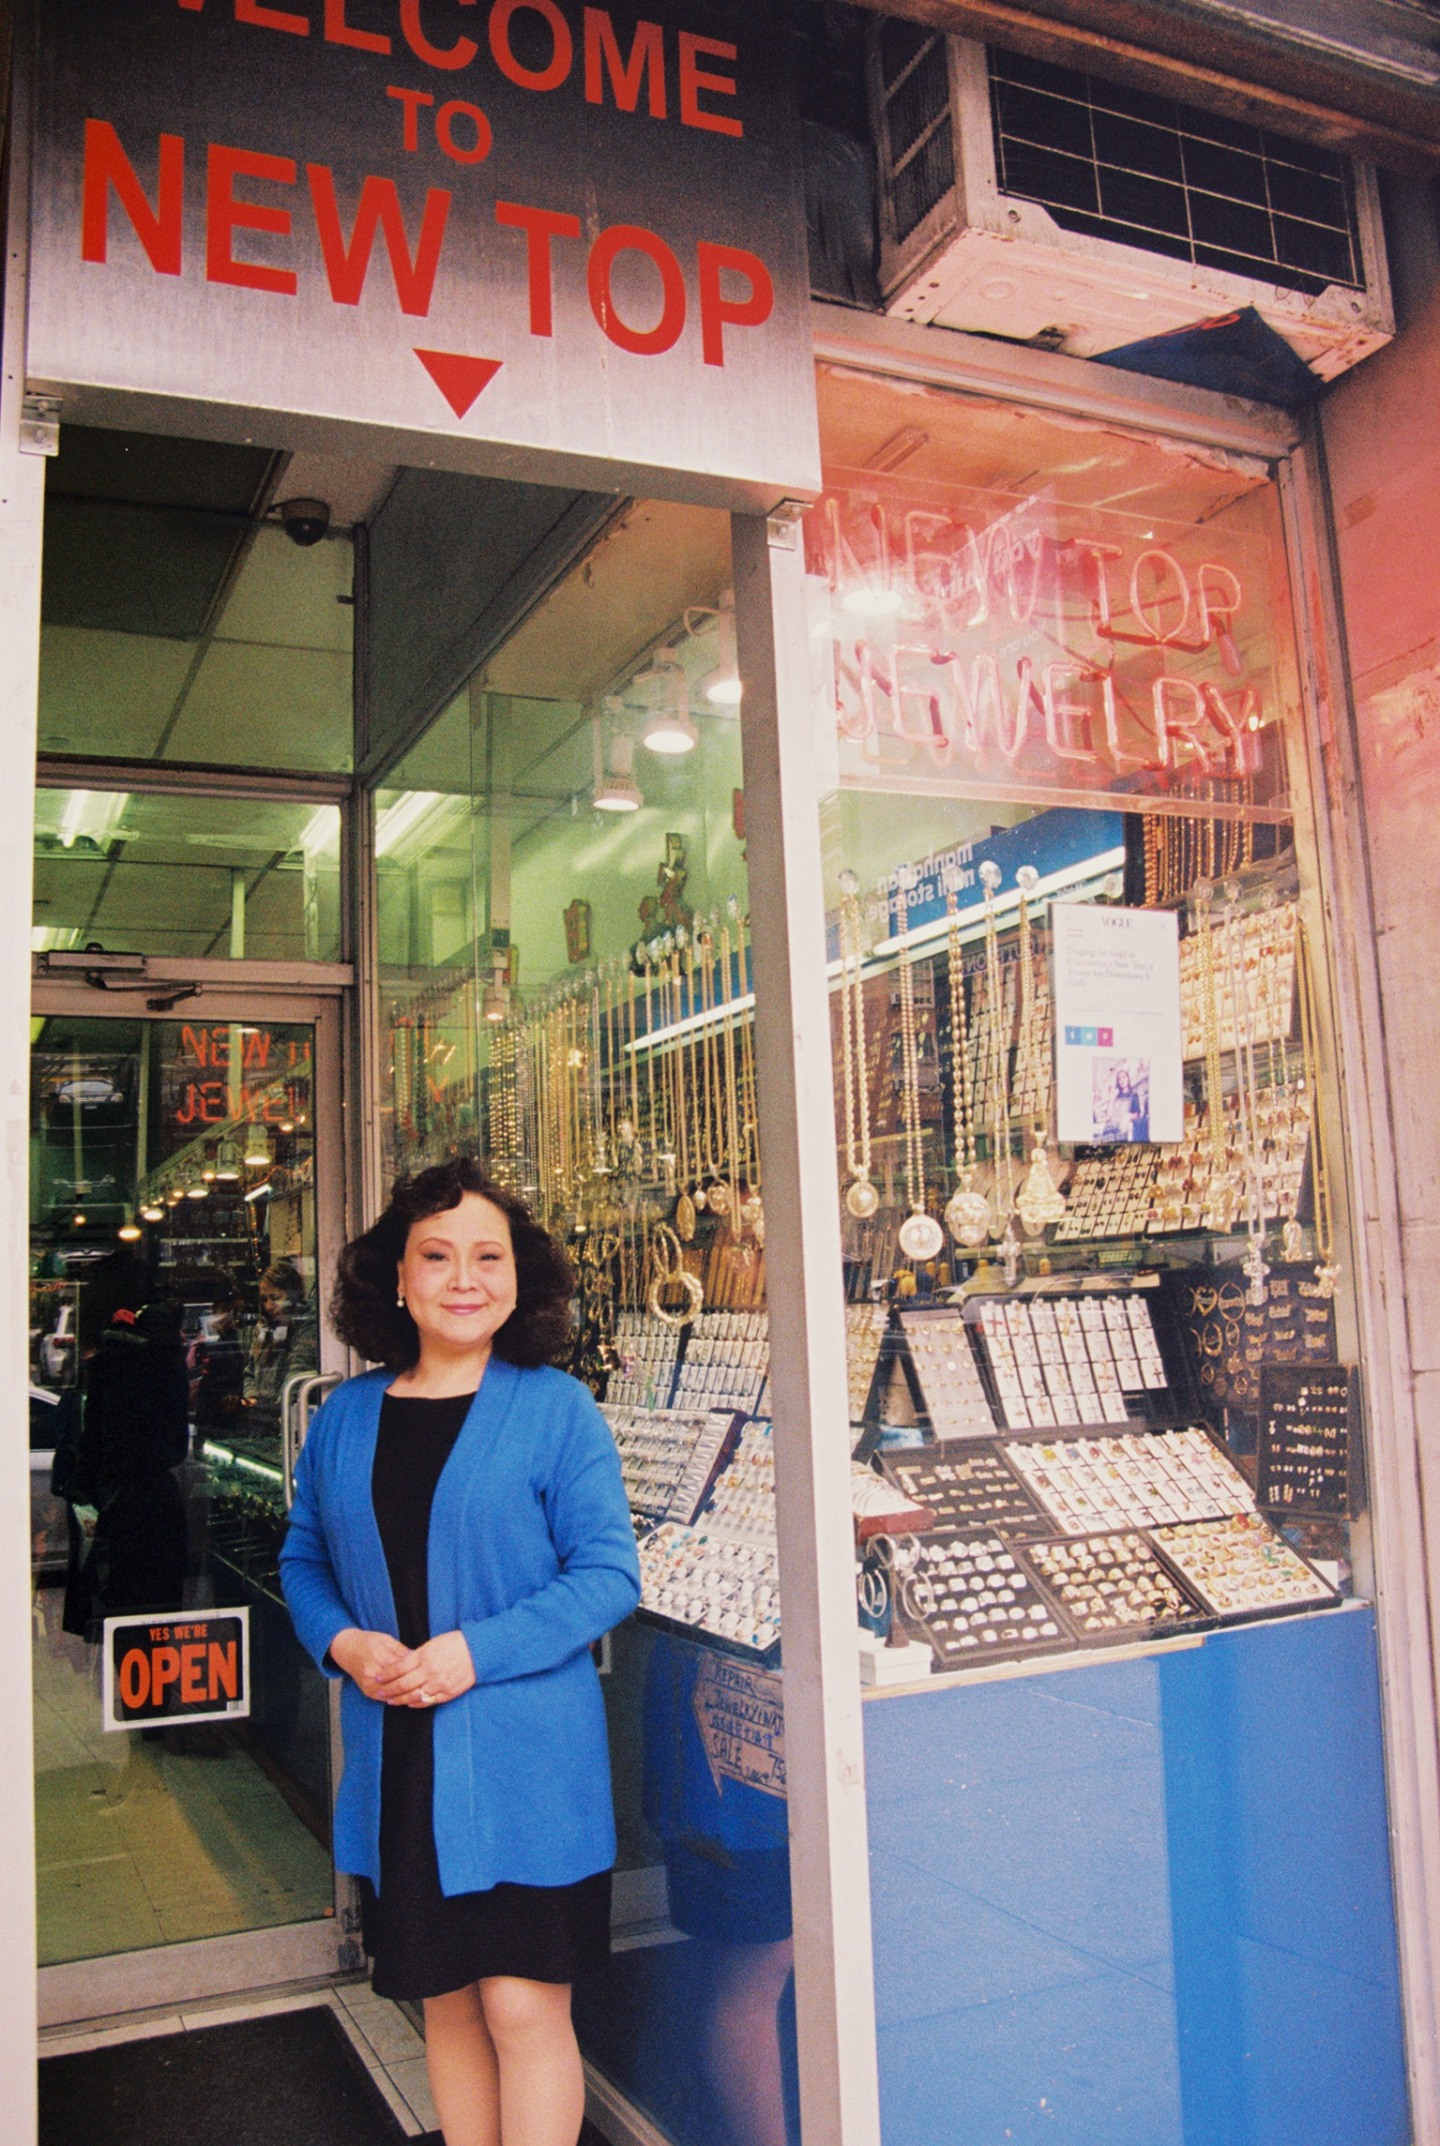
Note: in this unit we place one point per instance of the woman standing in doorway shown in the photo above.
(459, 1539)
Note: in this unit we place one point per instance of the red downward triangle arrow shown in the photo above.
(459, 379)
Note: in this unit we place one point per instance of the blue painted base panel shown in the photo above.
(1141, 1903)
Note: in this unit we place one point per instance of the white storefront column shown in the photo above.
(22, 501)
(825, 1769)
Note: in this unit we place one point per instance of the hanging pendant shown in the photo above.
(967, 1216)
(752, 1211)
(719, 1198)
(685, 1218)
(1040, 1200)
(1012, 1254)
(921, 1236)
(1254, 1266)
(1292, 1241)
(1327, 1277)
(698, 1199)
(862, 1199)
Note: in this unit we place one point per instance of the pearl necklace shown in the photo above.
(920, 1236)
(861, 1197)
(967, 1213)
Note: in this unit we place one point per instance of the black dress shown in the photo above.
(421, 1943)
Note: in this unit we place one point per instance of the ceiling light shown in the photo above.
(722, 686)
(394, 822)
(92, 816)
(152, 1211)
(615, 787)
(867, 601)
(227, 1163)
(129, 1233)
(257, 1149)
(668, 727)
(198, 1191)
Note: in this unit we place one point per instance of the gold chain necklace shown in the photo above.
(998, 1039)
(967, 1212)
(861, 1197)
(1327, 1271)
(1247, 1099)
(1040, 1200)
(920, 1236)
(1221, 1188)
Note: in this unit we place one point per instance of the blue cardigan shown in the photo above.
(532, 1557)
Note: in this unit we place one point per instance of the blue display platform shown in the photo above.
(1142, 1901)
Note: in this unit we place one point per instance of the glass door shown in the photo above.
(185, 1198)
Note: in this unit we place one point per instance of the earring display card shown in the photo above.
(670, 1457)
(724, 1362)
(1309, 1449)
(1140, 1479)
(1240, 1567)
(1061, 1363)
(979, 1601)
(944, 1377)
(865, 1328)
(1113, 1584)
(966, 1486)
(1228, 1341)
(648, 1355)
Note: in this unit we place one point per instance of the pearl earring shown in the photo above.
(400, 1298)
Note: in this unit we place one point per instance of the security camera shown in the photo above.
(304, 521)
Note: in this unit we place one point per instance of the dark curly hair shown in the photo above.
(364, 1312)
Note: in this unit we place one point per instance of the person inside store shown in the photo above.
(459, 1540)
(282, 1344)
(130, 1552)
(217, 1366)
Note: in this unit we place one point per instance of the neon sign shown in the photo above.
(1033, 644)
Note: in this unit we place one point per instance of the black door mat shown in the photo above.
(292, 2079)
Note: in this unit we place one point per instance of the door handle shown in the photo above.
(308, 1388)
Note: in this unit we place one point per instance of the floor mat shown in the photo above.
(292, 2079)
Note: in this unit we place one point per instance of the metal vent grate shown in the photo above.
(915, 91)
(1120, 164)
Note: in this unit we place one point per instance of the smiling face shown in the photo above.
(458, 1279)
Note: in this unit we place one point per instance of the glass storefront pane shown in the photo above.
(213, 878)
(1099, 1282)
(565, 976)
(173, 1294)
(177, 624)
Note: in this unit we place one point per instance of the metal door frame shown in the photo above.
(170, 1976)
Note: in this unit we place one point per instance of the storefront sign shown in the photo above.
(531, 237)
(1033, 642)
(167, 1671)
(741, 1714)
(1119, 1075)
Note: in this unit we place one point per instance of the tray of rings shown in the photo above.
(1130, 1479)
(670, 1457)
(1115, 1586)
(1241, 1567)
(976, 1601)
(967, 1484)
(719, 1577)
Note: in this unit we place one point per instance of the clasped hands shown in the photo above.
(398, 1675)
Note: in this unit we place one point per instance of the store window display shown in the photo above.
(1100, 1285)
(1081, 1241)
(567, 991)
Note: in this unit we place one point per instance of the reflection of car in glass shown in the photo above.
(89, 1092)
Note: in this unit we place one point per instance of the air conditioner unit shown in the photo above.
(1025, 200)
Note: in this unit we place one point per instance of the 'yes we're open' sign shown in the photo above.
(525, 237)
